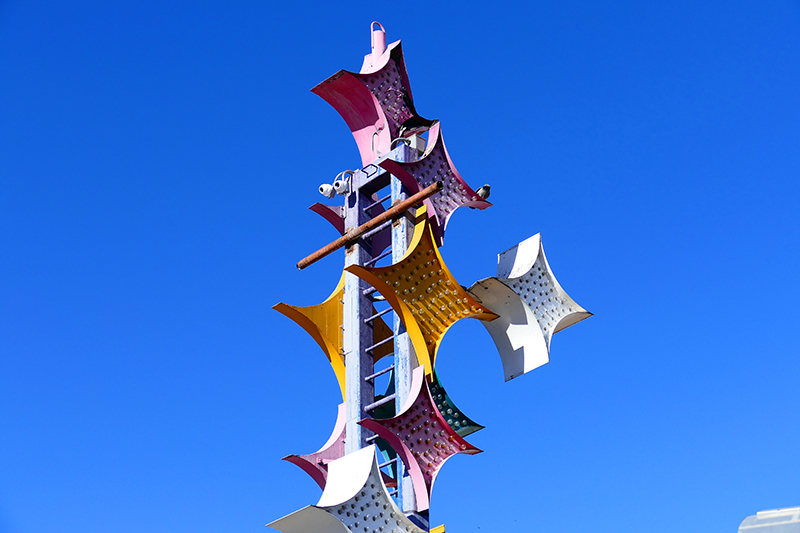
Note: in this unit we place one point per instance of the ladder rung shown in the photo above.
(373, 204)
(378, 344)
(376, 230)
(379, 373)
(376, 315)
(376, 259)
(382, 401)
(387, 463)
(372, 438)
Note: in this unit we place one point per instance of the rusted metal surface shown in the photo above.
(352, 236)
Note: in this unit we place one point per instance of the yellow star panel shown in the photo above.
(423, 293)
(324, 323)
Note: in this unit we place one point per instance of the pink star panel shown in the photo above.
(376, 103)
(316, 464)
(421, 437)
(435, 165)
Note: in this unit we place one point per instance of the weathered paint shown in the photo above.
(421, 437)
(461, 423)
(423, 293)
(324, 323)
(531, 305)
(435, 165)
(376, 104)
(316, 464)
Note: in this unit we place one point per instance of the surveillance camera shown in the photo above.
(341, 187)
(327, 190)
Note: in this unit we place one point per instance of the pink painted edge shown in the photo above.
(331, 213)
(359, 108)
(338, 428)
(317, 472)
(414, 470)
(471, 450)
(310, 462)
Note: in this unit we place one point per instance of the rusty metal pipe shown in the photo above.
(353, 235)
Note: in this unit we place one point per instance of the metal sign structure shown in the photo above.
(381, 327)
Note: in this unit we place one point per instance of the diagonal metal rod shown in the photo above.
(376, 259)
(353, 235)
(373, 204)
(378, 229)
(379, 373)
(382, 401)
(376, 315)
(387, 463)
(381, 343)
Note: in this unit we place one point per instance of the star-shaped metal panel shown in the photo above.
(531, 304)
(423, 293)
(376, 105)
(316, 464)
(421, 437)
(457, 420)
(356, 497)
(435, 165)
(324, 323)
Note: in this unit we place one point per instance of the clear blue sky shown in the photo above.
(156, 163)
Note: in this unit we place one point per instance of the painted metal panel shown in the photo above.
(309, 520)
(785, 520)
(356, 495)
(421, 437)
(376, 105)
(324, 323)
(423, 293)
(436, 165)
(461, 423)
(316, 464)
(531, 304)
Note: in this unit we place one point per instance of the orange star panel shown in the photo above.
(324, 323)
(423, 293)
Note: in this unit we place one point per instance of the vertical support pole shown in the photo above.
(357, 336)
(405, 360)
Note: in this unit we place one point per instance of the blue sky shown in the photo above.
(156, 163)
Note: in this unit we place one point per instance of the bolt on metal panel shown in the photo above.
(421, 437)
(531, 305)
(376, 105)
(356, 495)
(435, 165)
(423, 293)
(457, 420)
